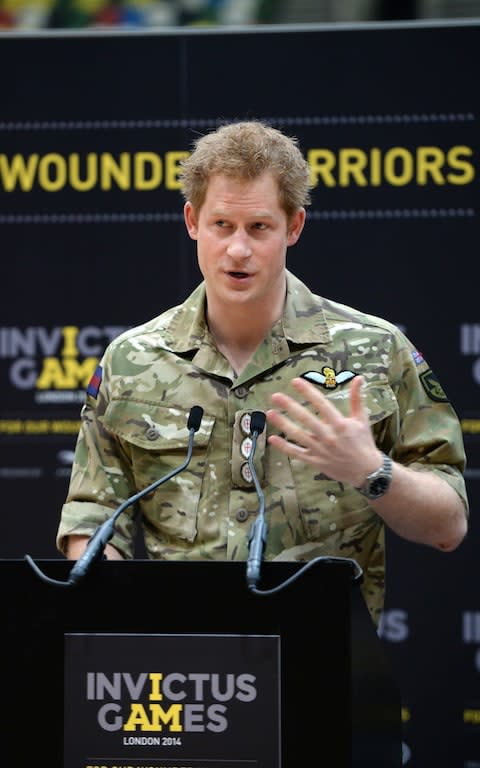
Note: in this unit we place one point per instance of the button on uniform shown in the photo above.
(241, 515)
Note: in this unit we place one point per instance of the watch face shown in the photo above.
(378, 482)
(379, 486)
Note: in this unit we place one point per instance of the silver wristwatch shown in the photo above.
(377, 483)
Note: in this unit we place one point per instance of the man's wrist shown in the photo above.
(377, 483)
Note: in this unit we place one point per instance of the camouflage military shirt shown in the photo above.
(134, 430)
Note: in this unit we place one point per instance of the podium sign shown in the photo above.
(172, 700)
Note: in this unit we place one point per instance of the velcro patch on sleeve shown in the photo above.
(432, 387)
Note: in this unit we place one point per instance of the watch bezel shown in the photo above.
(380, 477)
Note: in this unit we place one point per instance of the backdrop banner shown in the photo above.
(93, 127)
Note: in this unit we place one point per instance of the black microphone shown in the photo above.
(96, 545)
(257, 536)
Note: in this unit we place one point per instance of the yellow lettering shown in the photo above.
(471, 426)
(83, 185)
(118, 171)
(171, 715)
(70, 333)
(52, 172)
(398, 166)
(454, 159)
(430, 161)
(38, 427)
(159, 717)
(18, 172)
(138, 717)
(66, 374)
(321, 162)
(10, 426)
(52, 375)
(471, 716)
(146, 171)
(156, 678)
(153, 179)
(65, 427)
(375, 167)
(172, 168)
(79, 374)
(352, 163)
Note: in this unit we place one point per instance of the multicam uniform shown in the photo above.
(134, 430)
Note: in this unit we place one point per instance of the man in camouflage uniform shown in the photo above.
(361, 397)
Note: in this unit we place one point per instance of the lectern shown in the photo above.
(179, 665)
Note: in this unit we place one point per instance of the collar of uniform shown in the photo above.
(304, 320)
(186, 328)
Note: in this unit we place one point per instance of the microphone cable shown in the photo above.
(259, 530)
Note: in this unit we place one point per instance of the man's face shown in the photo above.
(242, 236)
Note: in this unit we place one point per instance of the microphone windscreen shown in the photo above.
(195, 417)
(257, 422)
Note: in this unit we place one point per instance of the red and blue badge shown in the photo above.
(95, 381)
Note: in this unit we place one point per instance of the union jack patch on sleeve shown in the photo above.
(95, 381)
(418, 358)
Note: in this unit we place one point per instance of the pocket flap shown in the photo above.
(153, 427)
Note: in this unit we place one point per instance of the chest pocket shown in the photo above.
(154, 440)
(327, 507)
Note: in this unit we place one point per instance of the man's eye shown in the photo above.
(260, 225)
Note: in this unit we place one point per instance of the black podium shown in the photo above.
(338, 704)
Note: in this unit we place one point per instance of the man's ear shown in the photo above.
(190, 217)
(295, 226)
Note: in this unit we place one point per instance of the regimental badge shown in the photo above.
(246, 472)
(246, 447)
(432, 387)
(245, 423)
(328, 378)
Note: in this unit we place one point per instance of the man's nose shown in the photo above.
(239, 245)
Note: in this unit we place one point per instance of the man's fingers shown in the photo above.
(293, 432)
(325, 409)
(295, 411)
(357, 408)
(324, 418)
